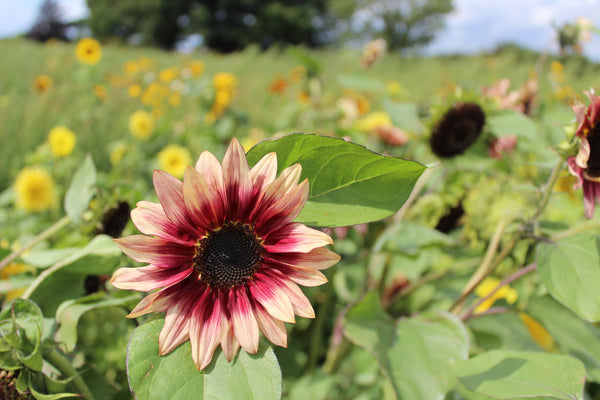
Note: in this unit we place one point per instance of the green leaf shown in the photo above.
(413, 353)
(502, 331)
(580, 338)
(404, 115)
(570, 270)
(81, 190)
(408, 238)
(65, 279)
(70, 311)
(175, 376)
(21, 325)
(504, 374)
(349, 184)
(512, 123)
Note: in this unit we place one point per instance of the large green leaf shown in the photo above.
(81, 190)
(570, 270)
(580, 338)
(504, 374)
(512, 123)
(175, 376)
(349, 184)
(414, 353)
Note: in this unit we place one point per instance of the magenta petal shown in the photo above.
(238, 183)
(170, 193)
(591, 192)
(155, 251)
(151, 219)
(296, 238)
(204, 204)
(205, 330)
(145, 279)
(245, 327)
(270, 295)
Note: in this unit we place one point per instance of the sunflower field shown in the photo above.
(298, 224)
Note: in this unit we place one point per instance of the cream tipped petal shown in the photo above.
(272, 328)
(264, 171)
(205, 334)
(300, 303)
(319, 258)
(151, 219)
(204, 204)
(170, 193)
(284, 210)
(245, 327)
(175, 330)
(272, 298)
(155, 251)
(238, 184)
(229, 343)
(154, 302)
(211, 169)
(296, 238)
(145, 279)
(309, 277)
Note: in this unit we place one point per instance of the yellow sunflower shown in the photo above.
(88, 51)
(141, 124)
(41, 83)
(34, 188)
(174, 160)
(62, 141)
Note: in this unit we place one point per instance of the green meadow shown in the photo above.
(26, 116)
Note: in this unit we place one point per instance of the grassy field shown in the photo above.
(26, 116)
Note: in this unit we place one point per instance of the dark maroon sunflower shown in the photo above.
(457, 130)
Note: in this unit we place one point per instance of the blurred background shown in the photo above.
(431, 27)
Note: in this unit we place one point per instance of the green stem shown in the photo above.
(548, 189)
(508, 280)
(64, 221)
(64, 366)
(485, 268)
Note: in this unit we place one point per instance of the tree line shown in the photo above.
(231, 25)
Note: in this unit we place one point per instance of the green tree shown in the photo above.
(156, 22)
(49, 24)
(404, 24)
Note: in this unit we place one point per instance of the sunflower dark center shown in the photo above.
(593, 138)
(229, 256)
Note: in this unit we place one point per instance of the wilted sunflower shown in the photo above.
(88, 51)
(457, 130)
(586, 165)
(226, 255)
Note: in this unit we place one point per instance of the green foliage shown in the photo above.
(174, 376)
(349, 184)
(505, 374)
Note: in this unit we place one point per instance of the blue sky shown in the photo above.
(474, 25)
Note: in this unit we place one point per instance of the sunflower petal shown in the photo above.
(245, 327)
(267, 292)
(205, 332)
(204, 204)
(150, 219)
(238, 183)
(170, 194)
(296, 238)
(156, 251)
(272, 328)
(154, 302)
(229, 343)
(319, 258)
(145, 279)
(176, 328)
(211, 169)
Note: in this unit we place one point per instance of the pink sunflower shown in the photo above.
(586, 164)
(225, 254)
